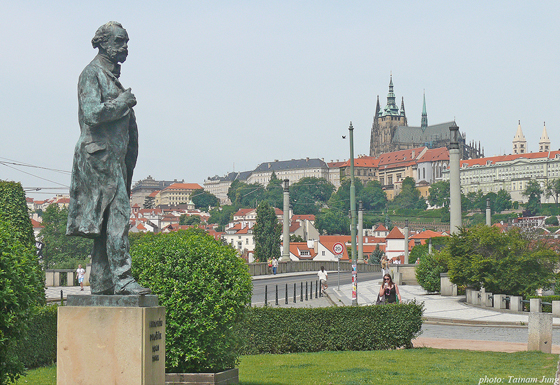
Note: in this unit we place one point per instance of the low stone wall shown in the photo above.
(407, 273)
(53, 277)
(262, 268)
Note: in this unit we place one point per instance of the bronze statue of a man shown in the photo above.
(104, 159)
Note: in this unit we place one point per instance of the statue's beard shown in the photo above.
(117, 55)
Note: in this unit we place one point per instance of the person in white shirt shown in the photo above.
(81, 274)
(323, 276)
(274, 265)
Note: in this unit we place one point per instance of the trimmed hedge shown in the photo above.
(39, 348)
(298, 330)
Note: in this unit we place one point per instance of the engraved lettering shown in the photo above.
(155, 358)
(156, 336)
(155, 348)
(155, 324)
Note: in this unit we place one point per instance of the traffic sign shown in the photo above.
(338, 248)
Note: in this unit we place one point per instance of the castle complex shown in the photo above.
(390, 131)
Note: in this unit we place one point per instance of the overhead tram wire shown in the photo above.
(36, 176)
(18, 163)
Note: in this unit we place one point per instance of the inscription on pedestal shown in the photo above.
(155, 329)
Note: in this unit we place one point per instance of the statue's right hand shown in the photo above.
(128, 98)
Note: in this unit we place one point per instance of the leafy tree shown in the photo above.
(267, 233)
(204, 199)
(502, 262)
(206, 289)
(439, 194)
(246, 195)
(551, 221)
(274, 192)
(296, 238)
(533, 191)
(341, 199)
(476, 201)
(409, 197)
(428, 271)
(222, 215)
(372, 196)
(309, 194)
(502, 202)
(149, 202)
(332, 221)
(188, 220)
(21, 279)
(62, 252)
(552, 189)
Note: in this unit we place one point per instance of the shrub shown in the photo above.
(39, 347)
(205, 288)
(551, 221)
(21, 279)
(297, 330)
(428, 271)
(502, 262)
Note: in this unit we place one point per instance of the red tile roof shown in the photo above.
(508, 158)
(398, 157)
(434, 154)
(309, 217)
(184, 186)
(395, 234)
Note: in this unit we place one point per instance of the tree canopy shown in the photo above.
(533, 191)
(203, 199)
(439, 194)
(332, 222)
(409, 197)
(310, 194)
(267, 233)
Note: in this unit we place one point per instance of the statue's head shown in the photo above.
(112, 40)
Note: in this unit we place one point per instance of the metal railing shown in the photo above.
(305, 293)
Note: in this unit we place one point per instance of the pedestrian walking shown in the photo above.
(81, 273)
(323, 276)
(390, 290)
(384, 265)
(274, 265)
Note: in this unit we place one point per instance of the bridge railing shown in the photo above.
(262, 268)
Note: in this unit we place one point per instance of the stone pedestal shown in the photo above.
(475, 299)
(540, 332)
(535, 305)
(556, 308)
(447, 288)
(499, 301)
(515, 303)
(111, 340)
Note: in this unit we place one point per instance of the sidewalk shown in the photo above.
(438, 309)
(445, 311)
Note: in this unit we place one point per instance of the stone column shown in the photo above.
(406, 241)
(488, 213)
(286, 225)
(540, 332)
(360, 232)
(454, 181)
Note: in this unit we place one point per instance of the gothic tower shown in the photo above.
(424, 123)
(385, 123)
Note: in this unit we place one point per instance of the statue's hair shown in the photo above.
(103, 32)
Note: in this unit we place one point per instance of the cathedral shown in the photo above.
(390, 131)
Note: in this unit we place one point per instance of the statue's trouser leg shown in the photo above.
(101, 279)
(118, 220)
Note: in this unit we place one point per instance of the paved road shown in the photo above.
(281, 281)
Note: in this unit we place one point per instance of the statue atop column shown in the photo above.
(104, 159)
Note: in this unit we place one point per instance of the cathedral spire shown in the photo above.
(424, 123)
(544, 143)
(391, 94)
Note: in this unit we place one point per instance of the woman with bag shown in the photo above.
(389, 289)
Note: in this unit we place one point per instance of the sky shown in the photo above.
(226, 85)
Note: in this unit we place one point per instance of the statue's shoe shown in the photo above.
(102, 292)
(133, 288)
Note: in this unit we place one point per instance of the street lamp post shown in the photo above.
(353, 224)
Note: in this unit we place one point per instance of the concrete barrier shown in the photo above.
(540, 331)
(499, 301)
(397, 278)
(446, 287)
(486, 299)
(515, 303)
(535, 305)
(469, 294)
(556, 308)
(475, 297)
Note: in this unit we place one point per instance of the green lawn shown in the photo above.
(412, 366)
